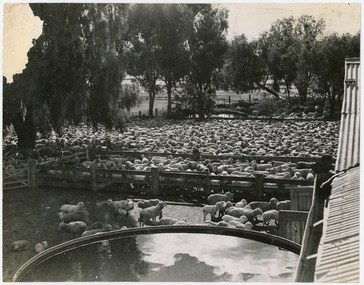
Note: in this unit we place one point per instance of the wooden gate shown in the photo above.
(301, 198)
(15, 178)
(292, 224)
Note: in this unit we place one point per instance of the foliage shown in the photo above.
(142, 49)
(290, 56)
(269, 107)
(186, 101)
(175, 27)
(207, 46)
(330, 56)
(74, 69)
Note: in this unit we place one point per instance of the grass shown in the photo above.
(160, 101)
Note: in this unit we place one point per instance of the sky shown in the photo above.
(20, 27)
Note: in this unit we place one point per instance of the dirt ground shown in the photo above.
(32, 215)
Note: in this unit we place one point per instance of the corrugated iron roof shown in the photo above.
(338, 255)
(349, 141)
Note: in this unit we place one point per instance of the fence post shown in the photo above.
(140, 115)
(156, 112)
(155, 180)
(93, 177)
(32, 174)
(259, 186)
(208, 183)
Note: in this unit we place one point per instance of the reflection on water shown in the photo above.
(182, 257)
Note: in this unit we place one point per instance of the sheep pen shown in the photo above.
(31, 213)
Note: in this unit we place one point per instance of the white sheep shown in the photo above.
(81, 215)
(39, 247)
(265, 206)
(236, 223)
(20, 245)
(219, 224)
(246, 226)
(211, 209)
(168, 221)
(106, 228)
(148, 203)
(270, 215)
(75, 228)
(249, 213)
(241, 204)
(181, 223)
(225, 205)
(283, 205)
(214, 198)
(228, 218)
(310, 176)
(297, 176)
(72, 208)
(124, 206)
(151, 213)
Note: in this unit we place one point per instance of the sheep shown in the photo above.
(241, 204)
(228, 219)
(94, 226)
(20, 245)
(72, 208)
(310, 176)
(75, 228)
(148, 203)
(270, 215)
(81, 215)
(39, 247)
(181, 223)
(235, 223)
(225, 205)
(249, 213)
(211, 209)
(151, 213)
(283, 205)
(168, 221)
(265, 206)
(106, 228)
(214, 198)
(246, 226)
(297, 176)
(124, 206)
(219, 224)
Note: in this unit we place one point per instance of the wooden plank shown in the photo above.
(63, 185)
(210, 156)
(15, 187)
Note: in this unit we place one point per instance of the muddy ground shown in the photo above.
(32, 215)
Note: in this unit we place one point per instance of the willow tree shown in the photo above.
(74, 70)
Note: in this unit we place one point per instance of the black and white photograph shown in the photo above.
(181, 141)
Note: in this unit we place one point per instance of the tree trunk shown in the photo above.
(275, 94)
(169, 104)
(25, 130)
(151, 103)
(201, 111)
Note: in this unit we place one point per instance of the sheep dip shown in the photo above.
(164, 256)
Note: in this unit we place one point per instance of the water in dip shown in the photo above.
(180, 257)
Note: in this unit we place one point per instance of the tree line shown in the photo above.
(76, 67)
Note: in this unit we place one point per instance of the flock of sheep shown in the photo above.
(75, 219)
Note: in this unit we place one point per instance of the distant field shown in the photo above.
(160, 101)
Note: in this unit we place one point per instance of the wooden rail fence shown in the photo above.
(158, 182)
(138, 154)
